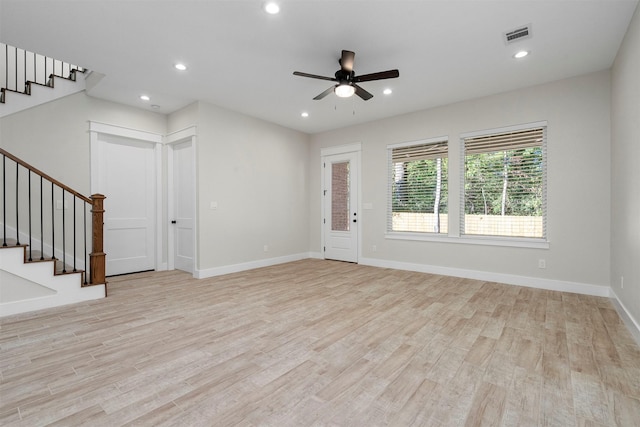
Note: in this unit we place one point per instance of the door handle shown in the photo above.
(355, 220)
(173, 222)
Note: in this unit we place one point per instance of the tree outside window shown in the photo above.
(419, 188)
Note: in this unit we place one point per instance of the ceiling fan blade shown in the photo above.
(346, 61)
(325, 93)
(390, 74)
(362, 93)
(314, 76)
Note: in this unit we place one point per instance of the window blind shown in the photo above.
(417, 193)
(505, 184)
(504, 141)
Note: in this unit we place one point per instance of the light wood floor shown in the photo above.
(320, 343)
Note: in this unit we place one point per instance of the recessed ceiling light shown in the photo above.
(144, 97)
(181, 67)
(521, 54)
(387, 91)
(155, 107)
(272, 8)
(304, 114)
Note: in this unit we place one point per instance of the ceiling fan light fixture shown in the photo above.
(344, 90)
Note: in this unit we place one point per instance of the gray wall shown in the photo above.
(577, 112)
(625, 173)
(54, 137)
(256, 172)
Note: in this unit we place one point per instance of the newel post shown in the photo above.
(97, 256)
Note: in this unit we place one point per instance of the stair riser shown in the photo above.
(68, 288)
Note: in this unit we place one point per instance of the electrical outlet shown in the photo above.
(266, 248)
(542, 263)
(374, 248)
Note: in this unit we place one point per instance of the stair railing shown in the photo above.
(19, 69)
(37, 220)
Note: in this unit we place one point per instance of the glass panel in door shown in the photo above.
(340, 196)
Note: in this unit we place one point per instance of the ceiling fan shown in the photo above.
(347, 79)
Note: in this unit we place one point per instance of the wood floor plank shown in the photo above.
(320, 343)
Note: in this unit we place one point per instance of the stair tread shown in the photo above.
(36, 256)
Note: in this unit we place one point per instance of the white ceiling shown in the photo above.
(241, 58)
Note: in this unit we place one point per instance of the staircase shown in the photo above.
(27, 79)
(47, 230)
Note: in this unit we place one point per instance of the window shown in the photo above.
(418, 193)
(505, 183)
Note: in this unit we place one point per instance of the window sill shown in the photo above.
(472, 240)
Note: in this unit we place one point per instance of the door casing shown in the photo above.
(325, 155)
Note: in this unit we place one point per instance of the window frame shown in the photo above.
(390, 172)
(535, 241)
(455, 236)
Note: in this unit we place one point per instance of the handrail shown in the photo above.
(96, 265)
(44, 175)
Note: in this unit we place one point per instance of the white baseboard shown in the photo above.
(510, 279)
(85, 294)
(632, 324)
(235, 268)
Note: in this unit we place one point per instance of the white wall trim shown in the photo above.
(180, 135)
(341, 149)
(632, 323)
(96, 128)
(235, 268)
(504, 129)
(125, 132)
(509, 279)
(332, 151)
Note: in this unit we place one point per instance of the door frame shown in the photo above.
(331, 151)
(96, 128)
(171, 140)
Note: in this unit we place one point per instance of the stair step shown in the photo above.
(37, 256)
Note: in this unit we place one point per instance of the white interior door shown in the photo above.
(340, 207)
(183, 206)
(126, 177)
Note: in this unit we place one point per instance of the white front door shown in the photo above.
(183, 206)
(340, 207)
(127, 172)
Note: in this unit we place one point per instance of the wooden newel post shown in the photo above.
(97, 256)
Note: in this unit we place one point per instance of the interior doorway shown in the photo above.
(182, 242)
(125, 167)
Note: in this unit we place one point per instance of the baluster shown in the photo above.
(15, 75)
(29, 213)
(17, 216)
(24, 82)
(53, 225)
(4, 200)
(64, 237)
(84, 210)
(74, 233)
(41, 221)
(6, 66)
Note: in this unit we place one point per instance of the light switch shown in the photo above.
(213, 206)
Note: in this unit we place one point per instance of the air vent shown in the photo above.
(520, 33)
